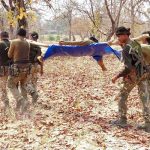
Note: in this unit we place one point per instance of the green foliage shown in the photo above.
(51, 38)
(54, 37)
(65, 39)
(57, 38)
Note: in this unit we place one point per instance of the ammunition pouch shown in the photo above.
(131, 77)
(16, 69)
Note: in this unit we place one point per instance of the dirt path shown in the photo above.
(73, 112)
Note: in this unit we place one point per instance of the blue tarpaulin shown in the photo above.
(95, 49)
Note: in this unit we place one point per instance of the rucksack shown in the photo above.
(135, 52)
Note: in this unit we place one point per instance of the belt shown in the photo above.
(21, 62)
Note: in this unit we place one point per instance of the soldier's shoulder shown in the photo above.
(1, 42)
(14, 40)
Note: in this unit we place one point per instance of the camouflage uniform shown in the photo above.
(19, 72)
(132, 74)
(4, 60)
(35, 51)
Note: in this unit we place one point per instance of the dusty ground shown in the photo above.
(73, 112)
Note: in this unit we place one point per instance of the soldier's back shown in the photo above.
(21, 50)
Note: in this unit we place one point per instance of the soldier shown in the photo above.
(4, 63)
(19, 70)
(91, 40)
(37, 67)
(132, 75)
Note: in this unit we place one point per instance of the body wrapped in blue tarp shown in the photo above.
(96, 50)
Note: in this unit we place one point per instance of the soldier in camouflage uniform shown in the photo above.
(35, 51)
(132, 75)
(19, 71)
(4, 63)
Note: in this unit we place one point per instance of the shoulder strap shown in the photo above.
(29, 44)
(5, 44)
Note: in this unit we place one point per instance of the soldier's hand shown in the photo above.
(114, 80)
(40, 59)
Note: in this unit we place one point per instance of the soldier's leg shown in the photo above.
(4, 93)
(23, 90)
(122, 103)
(12, 84)
(32, 85)
(34, 77)
(144, 91)
(4, 96)
(23, 86)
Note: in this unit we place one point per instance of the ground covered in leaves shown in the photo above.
(76, 103)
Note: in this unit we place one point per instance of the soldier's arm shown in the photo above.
(127, 64)
(11, 50)
(141, 38)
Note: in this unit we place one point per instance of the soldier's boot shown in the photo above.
(145, 127)
(24, 106)
(19, 104)
(122, 122)
(6, 107)
(34, 97)
(6, 104)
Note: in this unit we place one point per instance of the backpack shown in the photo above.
(135, 52)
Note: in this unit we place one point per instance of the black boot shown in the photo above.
(145, 127)
(122, 122)
(34, 97)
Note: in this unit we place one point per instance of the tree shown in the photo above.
(114, 9)
(18, 12)
(80, 26)
(66, 12)
(134, 8)
(93, 12)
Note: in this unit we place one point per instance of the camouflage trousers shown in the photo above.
(20, 78)
(32, 84)
(3, 88)
(144, 93)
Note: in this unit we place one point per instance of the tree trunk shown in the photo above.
(132, 19)
(73, 37)
(11, 32)
(111, 32)
(70, 23)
